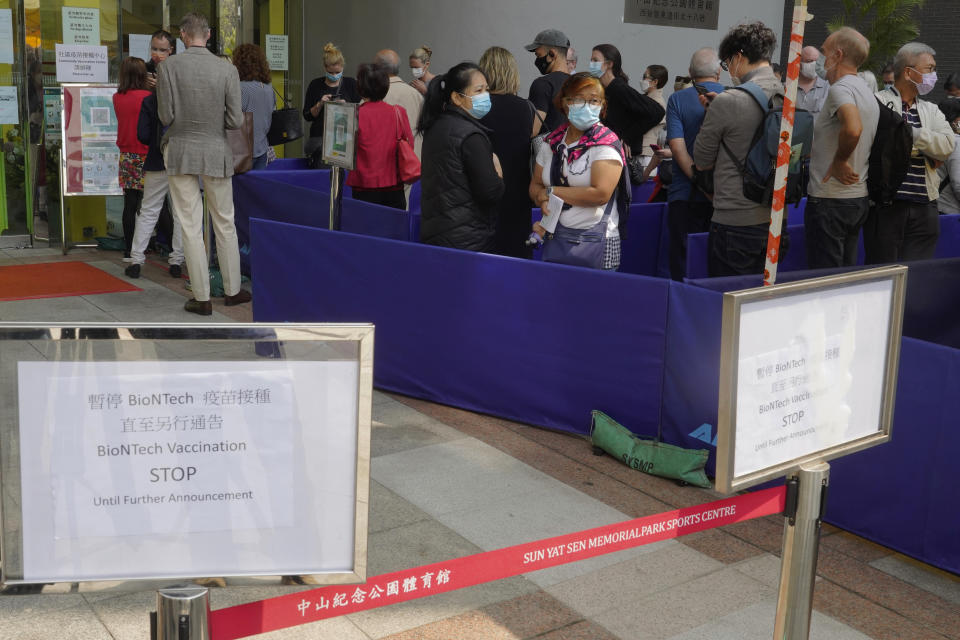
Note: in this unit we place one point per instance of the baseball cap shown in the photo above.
(549, 38)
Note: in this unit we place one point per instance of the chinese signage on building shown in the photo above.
(81, 25)
(277, 55)
(81, 63)
(693, 14)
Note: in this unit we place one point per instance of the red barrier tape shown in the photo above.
(327, 602)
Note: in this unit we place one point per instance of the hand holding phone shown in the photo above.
(655, 147)
(702, 90)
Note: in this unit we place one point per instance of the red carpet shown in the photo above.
(57, 279)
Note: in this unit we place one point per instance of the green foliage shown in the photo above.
(887, 24)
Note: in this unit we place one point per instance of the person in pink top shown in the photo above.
(126, 104)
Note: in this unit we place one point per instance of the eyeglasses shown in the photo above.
(725, 64)
(579, 102)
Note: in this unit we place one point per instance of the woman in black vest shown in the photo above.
(461, 178)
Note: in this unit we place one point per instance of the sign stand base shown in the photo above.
(183, 613)
(801, 544)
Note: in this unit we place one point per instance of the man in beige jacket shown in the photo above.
(198, 98)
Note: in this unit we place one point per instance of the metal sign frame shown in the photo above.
(340, 125)
(213, 343)
(733, 304)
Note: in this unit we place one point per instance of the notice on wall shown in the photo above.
(692, 14)
(9, 107)
(179, 467)
(811, 371)
(81, 25)
(138, 46)
(6, 36)
(81, 63)
(52, 110)
(277, 52)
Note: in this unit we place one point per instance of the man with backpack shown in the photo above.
(837, 203)
(739, 226)
(907, 228)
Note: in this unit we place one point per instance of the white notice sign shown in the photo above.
(81, 25)
(9, 110)
(81, 63)
(810, 371)
(153, 468)
(138, 45)
(6, 36)
(277, 52)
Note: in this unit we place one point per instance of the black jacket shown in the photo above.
(630, 113)
(148, 133)
(460, 188)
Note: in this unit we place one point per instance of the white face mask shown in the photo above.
(808, 69)
(644, 85)
(417, 72)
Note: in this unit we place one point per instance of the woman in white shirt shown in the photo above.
(575, 181)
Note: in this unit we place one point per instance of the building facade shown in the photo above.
(30, 171)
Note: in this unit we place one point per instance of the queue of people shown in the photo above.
(488, 155)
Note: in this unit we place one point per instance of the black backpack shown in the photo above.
(889, 155)
(759, 167)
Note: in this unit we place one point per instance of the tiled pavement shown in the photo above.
(447, 482)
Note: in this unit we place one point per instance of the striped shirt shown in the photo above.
(914, 186)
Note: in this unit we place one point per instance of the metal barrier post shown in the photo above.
(182, 614)
(801, 543)
(335, 198)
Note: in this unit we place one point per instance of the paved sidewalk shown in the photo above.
(447, 483)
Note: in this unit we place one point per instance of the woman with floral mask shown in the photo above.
(332, 86)
(420, 69)
(461, 175)
(576, 178)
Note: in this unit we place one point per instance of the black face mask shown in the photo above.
(543, 63)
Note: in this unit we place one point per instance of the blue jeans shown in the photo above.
(259, 162)
(739, 251)
(832, 227)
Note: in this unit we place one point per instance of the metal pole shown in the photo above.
(801, 543)
(335, 198)
(183, 614)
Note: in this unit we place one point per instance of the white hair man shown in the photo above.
(689, 210)
(198, 97)
(811, 86)
(909, 227)
(837, 201)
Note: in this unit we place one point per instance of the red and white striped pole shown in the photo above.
(800, 16)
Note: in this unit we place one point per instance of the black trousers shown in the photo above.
(738, 251)
(683, 218)
(131, 209)
(387, 198)
(902, 230)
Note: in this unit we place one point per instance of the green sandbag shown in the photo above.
(650, 456)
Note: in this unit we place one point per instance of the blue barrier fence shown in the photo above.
(545, 344)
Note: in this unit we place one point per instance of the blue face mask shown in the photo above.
(480, 105)
(596, 68)
(584, 117)
(333, 77)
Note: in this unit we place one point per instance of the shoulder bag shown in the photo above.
(285, 124)
(408, 164)
(576, 247)
(241, 144)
